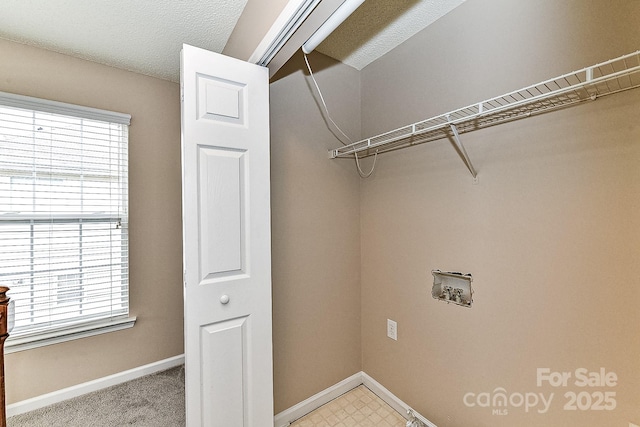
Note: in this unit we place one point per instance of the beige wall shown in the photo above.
(315, 217)
(315, 211)
(551, 233)
(155, 218)
(254, 23)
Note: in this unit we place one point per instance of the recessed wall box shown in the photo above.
(452, 287)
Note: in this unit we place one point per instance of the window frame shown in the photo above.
(86, 327)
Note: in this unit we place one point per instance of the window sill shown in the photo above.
(15, 344)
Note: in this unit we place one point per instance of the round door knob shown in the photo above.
(224, 299)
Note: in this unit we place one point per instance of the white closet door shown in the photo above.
(227, 241)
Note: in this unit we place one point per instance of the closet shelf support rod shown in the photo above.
(461, 150)
(606, 78)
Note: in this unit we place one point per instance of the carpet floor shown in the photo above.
(155, 400)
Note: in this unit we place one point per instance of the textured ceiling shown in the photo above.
(378, 26)
(146, 36)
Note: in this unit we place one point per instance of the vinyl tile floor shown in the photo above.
(356, 408)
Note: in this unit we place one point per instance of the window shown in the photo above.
(63, 219)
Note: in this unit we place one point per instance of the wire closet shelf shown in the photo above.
(590, 83)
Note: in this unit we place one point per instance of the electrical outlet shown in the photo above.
(392, 329)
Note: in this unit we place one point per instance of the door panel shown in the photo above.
(220, 99)
(222, 194)
(227, 241)
(225, 342)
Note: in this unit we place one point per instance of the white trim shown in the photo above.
(283, 419)
(289, 20)
(83, 330)
(91, 386)
(391, 399)
(55, 107)
(288, 416)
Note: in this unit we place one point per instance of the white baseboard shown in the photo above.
(283, 419)
(392, 400)
(286, 417)
(91, 386)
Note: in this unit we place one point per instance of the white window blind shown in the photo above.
(63, 215)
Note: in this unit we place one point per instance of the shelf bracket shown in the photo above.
(461, 151)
